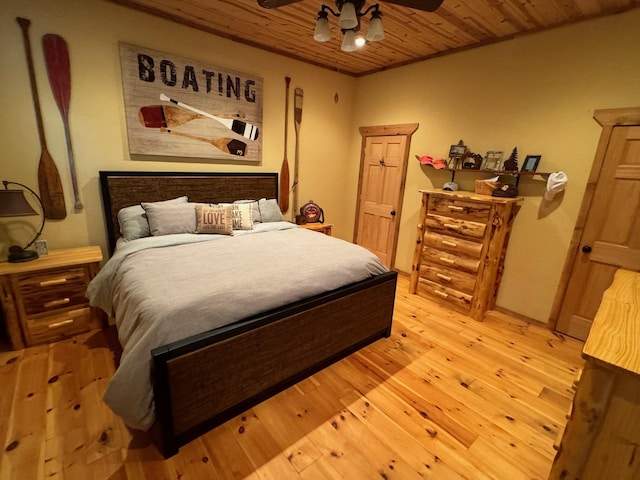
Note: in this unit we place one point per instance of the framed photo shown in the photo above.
(493, 160)
(457, 151)
(530, 163)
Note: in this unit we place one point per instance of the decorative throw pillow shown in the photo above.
(242, 215)
(133, 221)
(269, 210)
(214, 219)
(255, 210)
(167, 219)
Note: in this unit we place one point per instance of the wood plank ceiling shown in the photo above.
(410, 35)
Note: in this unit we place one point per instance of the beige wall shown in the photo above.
(92, 29)
(537, 92)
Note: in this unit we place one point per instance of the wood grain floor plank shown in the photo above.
(444, 397)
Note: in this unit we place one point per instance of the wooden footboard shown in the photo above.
(207, 379)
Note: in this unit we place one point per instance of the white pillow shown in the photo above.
(170, 218)
(242, 215)
(255, 209)
(133, 220)
(269, 210)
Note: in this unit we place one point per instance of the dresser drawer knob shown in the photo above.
(62, 323)
(449, 244)
(443, 277)
(450, 226)
(442, 294)
(57, 281)
(455, 207)
(57, 303)
(447, 260)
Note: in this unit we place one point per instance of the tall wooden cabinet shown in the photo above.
(602, 436)
(460, 248)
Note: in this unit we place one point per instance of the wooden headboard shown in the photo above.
(123, 189)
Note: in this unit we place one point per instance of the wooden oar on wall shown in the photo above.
(56, 57)
(49, 182)
(297, 116)
(284, 170)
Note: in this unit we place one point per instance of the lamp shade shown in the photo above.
(348, 17)
(375, 32)
(322, 32)
(13, 204)
(349, 41)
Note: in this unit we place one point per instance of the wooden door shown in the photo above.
(383, 169)
(607, 236)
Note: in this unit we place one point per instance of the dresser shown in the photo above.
(601, 439)
(43, 300)
(461, 243)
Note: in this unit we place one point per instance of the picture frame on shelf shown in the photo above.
(456, 152)
(493, 160)
(530, 163)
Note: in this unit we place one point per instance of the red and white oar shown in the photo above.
(56, 56)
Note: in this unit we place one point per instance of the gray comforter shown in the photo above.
(163, 289)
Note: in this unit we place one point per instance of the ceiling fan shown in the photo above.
(426, 5)
(349, 14)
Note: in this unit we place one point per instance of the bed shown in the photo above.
(201, 381)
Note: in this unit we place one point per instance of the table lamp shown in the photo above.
(14, 204)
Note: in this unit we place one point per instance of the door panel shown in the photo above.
(611, 237)
(382, 176)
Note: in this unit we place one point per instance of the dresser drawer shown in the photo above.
(453, 244)
(458, 299)
(448, 277)
(58, 326)
(457, 262)
(49, 291)
(459, 208)
(454, 226)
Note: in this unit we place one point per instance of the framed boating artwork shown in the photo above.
(178, 107)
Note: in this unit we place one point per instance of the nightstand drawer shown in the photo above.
(53, 290)
(459, 208)
(454, 226)
(43, 300)
(59, 326)
(447, 295)
(448, 277)
(453, 244)
(450, 260)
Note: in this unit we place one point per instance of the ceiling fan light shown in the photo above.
(375, 32)
(322, 32)
(348, 17)
(349, 41)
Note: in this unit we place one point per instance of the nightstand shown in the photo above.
(44, 299)
(319, 227)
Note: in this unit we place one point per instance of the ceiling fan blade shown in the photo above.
(275, 3)
(426, 5)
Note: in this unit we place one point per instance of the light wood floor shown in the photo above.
(445, 397)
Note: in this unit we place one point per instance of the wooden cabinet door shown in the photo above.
(611, 235)
(383, 168)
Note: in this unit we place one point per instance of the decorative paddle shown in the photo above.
(297, 117)
(49, 182)
(284, 170)
(56, 56)
(168, 116)
(238, 126)
(227, 145)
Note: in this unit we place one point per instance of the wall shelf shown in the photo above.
(495, 172)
